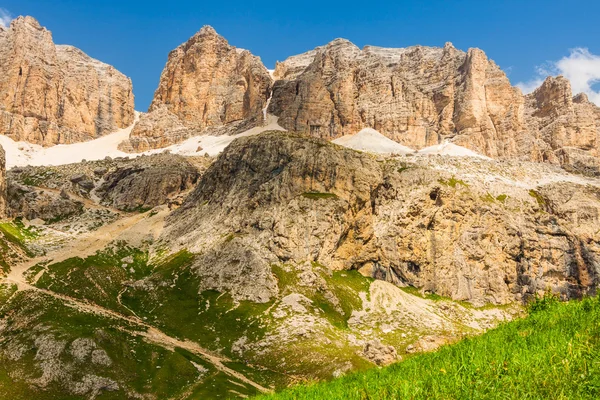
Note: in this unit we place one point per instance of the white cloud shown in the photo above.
(580, 67)
(5, 18)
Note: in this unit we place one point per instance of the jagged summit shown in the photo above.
(27, 20)
(207, 30)
(206, 85)
(49, 94)
(421, 96)
(417, 96)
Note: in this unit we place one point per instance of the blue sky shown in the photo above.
(526, 38)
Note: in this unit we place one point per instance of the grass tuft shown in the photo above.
(553, 353)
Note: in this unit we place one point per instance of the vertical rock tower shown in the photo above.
(52, 94)
(206, 86)
(421, 96)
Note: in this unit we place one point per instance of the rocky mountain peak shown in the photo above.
(581, 98)
(57, 94)
(420, 96)
(207, 84)
(207, 30)
(553, 95)
(26, 21)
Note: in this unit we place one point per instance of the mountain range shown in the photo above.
(255, 229)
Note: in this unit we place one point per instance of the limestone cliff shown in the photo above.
(206, 84)
(417, 96)
(569, 126)
(283, 198)
(53, 94)
(420, 96)
(2, 182)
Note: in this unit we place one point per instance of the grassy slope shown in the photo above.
(13, 238)
(139, 368)
(553, 353)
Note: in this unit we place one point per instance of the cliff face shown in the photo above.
(53, 94)
(568, 126)
(289, 199)
(420, 96)
(417, 96)
(2, 182)
(206, 84)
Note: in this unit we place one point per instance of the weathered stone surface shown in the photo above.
(380, 354)
(147, 182)
(2, 182)
(417, 96)
(206, 83)
(121, 183)
(157, 129)
(51, 94)
(49, 206)
(286, 198)
(568, 126)
(420, 96)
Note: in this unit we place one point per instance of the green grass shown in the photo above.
(98, 278)
(16, 234)
(453, 182)
(137, 366)
(538, 197)
(554, 353)
(167, 296)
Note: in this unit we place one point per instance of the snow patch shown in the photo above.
(370, 140)
(20, 154)
(451, 149)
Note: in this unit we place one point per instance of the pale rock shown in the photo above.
(423, 96)
(410, 221)
(53, 94)
(380, 354)
(206, 83)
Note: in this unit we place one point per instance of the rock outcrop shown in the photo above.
(124, 184)
(206, 84)
(52, 94)
(569, 126)
(420, 96)
(281, 198)
(31, 203)
(147, 182)
(2, 182)
(417, 96)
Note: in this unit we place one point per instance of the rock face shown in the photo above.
(420, 96)
(147, 182)
(281, 198)
(2, 182)
(125, 184)
(569, 126)
(53, 94)
(49, 206)
(206, 83)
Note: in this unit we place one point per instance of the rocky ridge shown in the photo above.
(207, 86)
(53, 94)
(139, 184)
(461, 231)
(421, 96)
